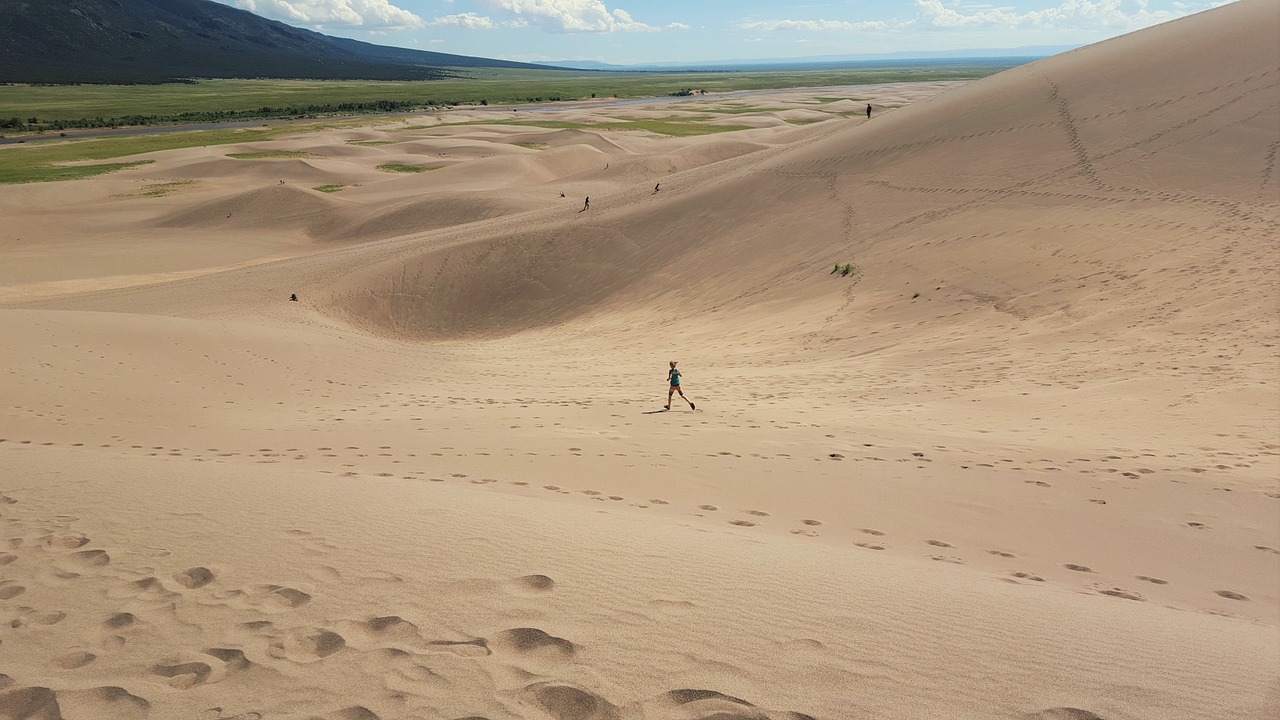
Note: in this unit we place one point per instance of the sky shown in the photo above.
(687, 31)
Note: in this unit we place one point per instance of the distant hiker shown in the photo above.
(868, 111)
(673, 381)
(655, 187)
(561, 194)
(293, 297)
(586, 205)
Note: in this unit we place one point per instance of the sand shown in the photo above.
(1021, 462)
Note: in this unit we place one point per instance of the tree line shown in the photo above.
(32, 124)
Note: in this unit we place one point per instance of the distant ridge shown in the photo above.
(149, 41)
(909, 56)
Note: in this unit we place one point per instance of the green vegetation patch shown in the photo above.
(371, 143)
(532, 145)
(672, 125)
(269, 154)
(807, 121)
(328, 188)
(13, 175)
(396, 167)
(46, 161)
(164, 188)
(741, 110)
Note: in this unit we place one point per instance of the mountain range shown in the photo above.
(150, 41)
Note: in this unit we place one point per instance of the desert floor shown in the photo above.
(1021, 461)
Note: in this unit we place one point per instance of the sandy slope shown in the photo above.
(1021, 463)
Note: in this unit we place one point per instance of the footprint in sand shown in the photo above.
(532, 641)
(1152, 580)
(184, 675)
(1230, 595)
(192, 578)
(306, 645)
(75, 660)
(708, 507)
(1078, 568)
(659, 502)
(63, 542)
(562, 701)
(276, 597)
(533, 583)
(742, 523)
(1064, 713)
(869, 531)
(812, 523)
(87, 559)
(10, 590)
(869, 546)
(939, 543)
(119, 621)
(1001, 553)
(1123, 594)
(1027, 576)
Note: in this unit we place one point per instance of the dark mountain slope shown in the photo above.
(110, 41)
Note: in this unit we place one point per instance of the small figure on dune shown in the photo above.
(293, 297)
(673, 381)
(655, 187)
(868, 111)
(561, 194)
(586, 205)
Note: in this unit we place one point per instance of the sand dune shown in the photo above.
(1020, 461)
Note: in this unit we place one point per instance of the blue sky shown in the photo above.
(647, 31)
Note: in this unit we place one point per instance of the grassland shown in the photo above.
(45, 162)
(270, 154)
(164, 188)
(328, 188)
(400, 168)
(50, 161)
(672, 125)
(86, 102)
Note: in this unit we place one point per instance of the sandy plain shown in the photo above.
(1021, 462)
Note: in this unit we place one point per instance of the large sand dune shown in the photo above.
(1020, 462)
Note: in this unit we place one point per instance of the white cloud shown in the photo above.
(811, 25)
(569, 16)
(379, 14)
(1094, 14)
(471, 21)
(675, 26)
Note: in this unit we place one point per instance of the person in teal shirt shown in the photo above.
(673, 380)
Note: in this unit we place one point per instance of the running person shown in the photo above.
(673, 380)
